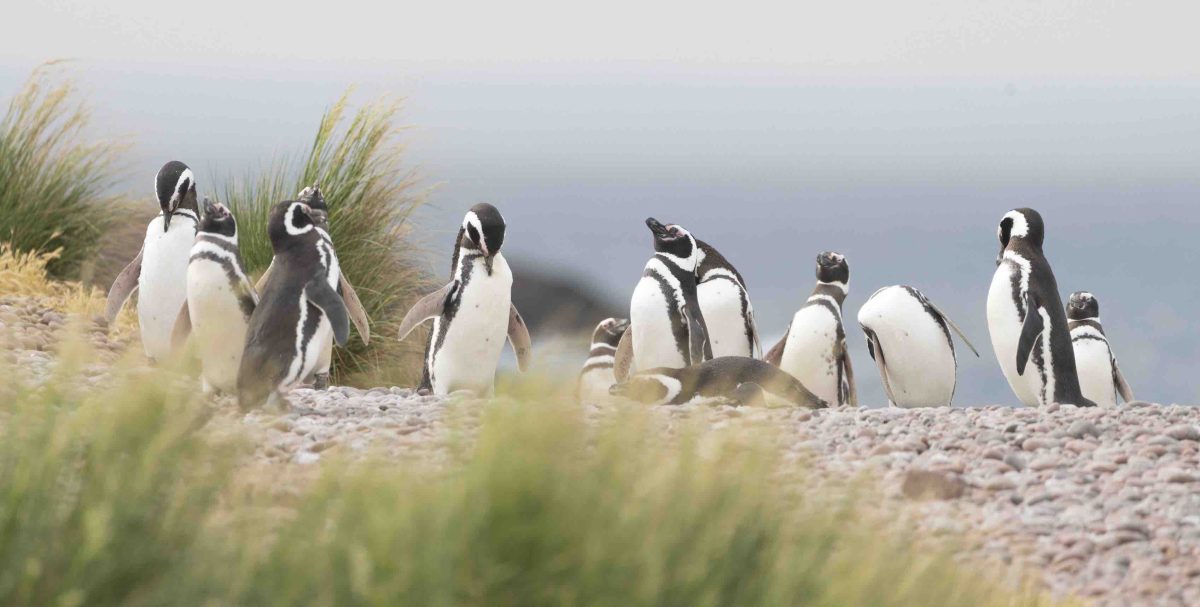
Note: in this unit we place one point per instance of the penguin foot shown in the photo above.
(321, 381)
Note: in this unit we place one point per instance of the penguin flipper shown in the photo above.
(953, 325)
(357, 314)
(623, 359)
(518, 336)
(431, 306)
(697, 337)
(124, 285)
(183, 326)
(1122, 386)
(757, 351)
(877, 354)
(775, 355)
(1031, 331)
(848, 374)
(262, 280)
(320, 294)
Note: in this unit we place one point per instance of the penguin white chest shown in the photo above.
(920, 361)
(324, 334)
(594, 384)
(1004, 326)
(1093, 362)
(218, 323)
(162, 284)
(810, 353)
(721, 302)
(471, 343)
(650, 316)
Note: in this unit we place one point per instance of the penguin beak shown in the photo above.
(207, 207)
(656, 227)
(167, 214)
(622, 325)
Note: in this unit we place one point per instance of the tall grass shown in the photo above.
(129, 498)
(53, 179)
(358, 161)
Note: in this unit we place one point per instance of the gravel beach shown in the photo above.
(1102, 504)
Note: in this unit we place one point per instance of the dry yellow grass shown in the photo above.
(27, 274)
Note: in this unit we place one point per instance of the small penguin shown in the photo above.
(1026, 318)
(725, 303)
(597, 375)
(472, 314)
(220, 300)
(313, 197)
(718, 381)
(1100, 378)
(908, 337)
(159, 271)
(666, 323)
(282, 345)
(813, 349)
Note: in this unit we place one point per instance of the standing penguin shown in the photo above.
(597, 375)
(472, 314)
(666, 323)
(315, 200)
(219, 302)
(814, 347)
(1026, 317)
(909, 339)
(725, 303)
(159, 271)
(742, 380)
(1100, 378)
(282, 345)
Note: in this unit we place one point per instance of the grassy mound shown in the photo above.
(357, 160)
(52, 178)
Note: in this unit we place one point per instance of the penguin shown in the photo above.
(597, 375)
(315, 199)
(723, 380)
(908, 337)
(813, 349)
(666, 323)
(159, 271)
(473, 313)
(220, 300)
(725, 303)
(1026, 318)
(282, 345)
(1100, 378)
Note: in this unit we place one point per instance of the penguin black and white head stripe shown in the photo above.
(833, 276)
(292, 224)
(482, 232)
(675, 242)
(217, 241)
(597, 375)
(1026, 318)
(725, 302)
(1100, 377)
(175, 187)
(717, 381)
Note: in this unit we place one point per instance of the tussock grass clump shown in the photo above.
(53, 179)
(358, 161)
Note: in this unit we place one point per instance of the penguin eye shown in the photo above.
(473, 234)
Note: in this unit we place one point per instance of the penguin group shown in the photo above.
(685, 343)
(690, 337)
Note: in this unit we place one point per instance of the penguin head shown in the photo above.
(652, 387)
(832, 268)
(483, 229)
(215, 218)
(1021, 225)
(291, 222)
(610, 331)
(315, 199)
(673, 240)
(175, 187)
(1083, 305)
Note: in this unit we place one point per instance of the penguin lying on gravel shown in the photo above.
(722, 380)
(1100, 378)
(597, 375)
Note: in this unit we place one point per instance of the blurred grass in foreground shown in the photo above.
(133, 497)
(358, 161)
(52, 180)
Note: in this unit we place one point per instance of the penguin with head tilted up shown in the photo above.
(220, 300)
(315, 199)
(1100, 378)
(725, 303)
(908, 337)
(282, 339)
(666, 323)
(473, 314)
(597, 375)
(159, 271)
(724, 380)
(814, 347)
(1026, 318)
